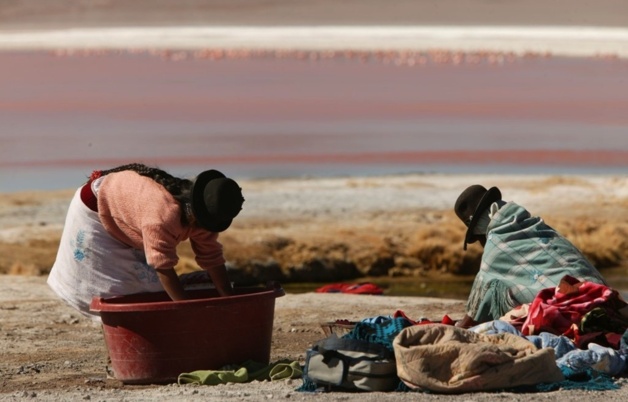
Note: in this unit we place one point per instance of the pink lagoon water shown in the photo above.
(292, 115)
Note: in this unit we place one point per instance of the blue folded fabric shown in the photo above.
(599, 358)
(561, 344)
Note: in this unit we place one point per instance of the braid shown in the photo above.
(180, 189)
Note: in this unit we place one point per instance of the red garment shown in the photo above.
(557, 310)
(88, 197)
(446, 319)
(359, 288)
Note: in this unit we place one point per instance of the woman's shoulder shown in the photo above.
(131, 190)
(128, 181)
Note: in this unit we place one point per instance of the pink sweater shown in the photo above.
(142, 214)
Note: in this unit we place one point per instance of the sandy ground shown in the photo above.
(52, 353)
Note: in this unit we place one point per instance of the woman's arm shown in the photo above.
(209, 256)
(221, 280)
(170, 281)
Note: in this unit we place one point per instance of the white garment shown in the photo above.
(92, 263)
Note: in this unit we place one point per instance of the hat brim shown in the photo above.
(203, 217)
(492, 194)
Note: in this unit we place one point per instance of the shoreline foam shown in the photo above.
(574, 41)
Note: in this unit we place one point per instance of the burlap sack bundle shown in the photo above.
(448, 359)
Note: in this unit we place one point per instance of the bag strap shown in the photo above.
(333, 344)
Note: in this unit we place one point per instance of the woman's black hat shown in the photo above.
(216, 200)
(470, 204)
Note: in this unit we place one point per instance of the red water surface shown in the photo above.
(60, 110)
(508, 157)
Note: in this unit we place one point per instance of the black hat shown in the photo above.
(471, 203)
(216, 200)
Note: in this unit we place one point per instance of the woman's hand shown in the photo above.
(466, 322)
(170, 281)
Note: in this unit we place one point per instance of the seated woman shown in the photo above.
(522, 255)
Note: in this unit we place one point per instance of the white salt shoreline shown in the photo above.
(338, 198)
(573, 41)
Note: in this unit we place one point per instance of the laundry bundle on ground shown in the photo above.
(571, 336)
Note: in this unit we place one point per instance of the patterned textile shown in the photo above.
(382, 333)
(560, 310)
(522, 256)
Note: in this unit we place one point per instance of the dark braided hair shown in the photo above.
(181, 189)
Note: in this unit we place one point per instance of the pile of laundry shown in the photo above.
(573, 336)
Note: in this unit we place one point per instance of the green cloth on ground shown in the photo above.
(214, 377)
(246, 372)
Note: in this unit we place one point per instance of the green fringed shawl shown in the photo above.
(522, 256)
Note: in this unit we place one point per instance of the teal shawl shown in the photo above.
(522, 256)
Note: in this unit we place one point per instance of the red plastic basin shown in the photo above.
(151, 339)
